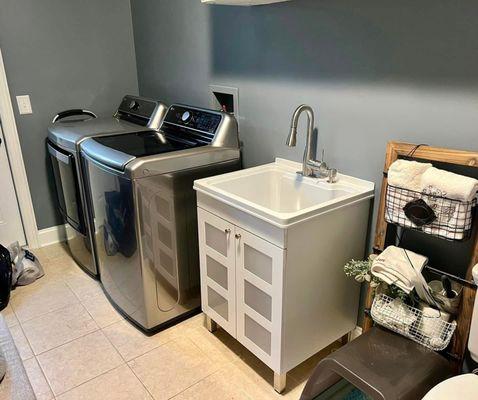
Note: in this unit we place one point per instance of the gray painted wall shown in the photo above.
(373, 70)
(65, 54)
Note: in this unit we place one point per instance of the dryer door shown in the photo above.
(67, 187)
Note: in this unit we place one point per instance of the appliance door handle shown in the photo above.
(58, 155)
(72, 112)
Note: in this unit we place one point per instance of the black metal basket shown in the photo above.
(451, 219)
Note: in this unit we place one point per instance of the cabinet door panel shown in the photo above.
(258, 300)
(217, 263)
(258, 263)
(259, 274)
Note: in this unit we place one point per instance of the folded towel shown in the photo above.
(444, 232)
(453, 220)
(447, 184)
(399, 267)
(407, 174)
(402, 268)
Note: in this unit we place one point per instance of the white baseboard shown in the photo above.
(356, 333)
(54, 234)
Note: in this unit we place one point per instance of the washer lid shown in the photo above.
(463, 387)
(105, 155)
(116, 151)
(142, 144)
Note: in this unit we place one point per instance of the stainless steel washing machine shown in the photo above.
(144, 207)
(68, 129)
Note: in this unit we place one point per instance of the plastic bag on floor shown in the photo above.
(26, 267)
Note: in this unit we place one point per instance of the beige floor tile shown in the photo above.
(83, 286)
(117, 384)
(41, 255)
(232, 382)
(37, 299)
(76, 362)
(53, 251)
(9, 316)
(101, 310)
(186, 327)
(263, 379)
(130, 342)
(21, 342)
(197, 321)
(172, 368)
(219, 346)
(185, 361)
(37, 379)
(58, 327)
(225, 384)
(61, 268)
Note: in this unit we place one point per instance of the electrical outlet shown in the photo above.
(24, 105)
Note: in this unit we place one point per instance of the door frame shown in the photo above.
(15, 159)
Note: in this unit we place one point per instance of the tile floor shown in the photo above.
(74, 346)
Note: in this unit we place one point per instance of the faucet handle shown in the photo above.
(332, 178)
(315, 164)
(320, 167)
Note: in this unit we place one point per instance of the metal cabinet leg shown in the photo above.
(345, 339)
(279, 382)
(211, 326)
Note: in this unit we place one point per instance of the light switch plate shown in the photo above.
(24, 105)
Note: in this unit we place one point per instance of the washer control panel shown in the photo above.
(206, 121)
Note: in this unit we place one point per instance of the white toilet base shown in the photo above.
(463, 387)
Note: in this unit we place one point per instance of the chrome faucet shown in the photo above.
(310, 166)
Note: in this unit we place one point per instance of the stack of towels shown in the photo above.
(423, 180)
(403, 268)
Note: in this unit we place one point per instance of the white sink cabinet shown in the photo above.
(272, 249)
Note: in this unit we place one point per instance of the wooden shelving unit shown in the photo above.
(386, 234)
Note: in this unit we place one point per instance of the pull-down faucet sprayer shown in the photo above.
(310, 166)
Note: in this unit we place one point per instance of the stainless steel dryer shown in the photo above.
(68, 129)
(144, 206)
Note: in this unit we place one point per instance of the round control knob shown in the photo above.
(186, 117)
(133, 105)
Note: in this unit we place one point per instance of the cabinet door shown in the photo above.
(217, 260)
(259, 272)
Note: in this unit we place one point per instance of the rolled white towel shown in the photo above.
(399, 267)
(449, 184)
(407, 174)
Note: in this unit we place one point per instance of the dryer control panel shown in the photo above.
(141, 111)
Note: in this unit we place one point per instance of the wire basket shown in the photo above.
(453, 217)
(430, 331)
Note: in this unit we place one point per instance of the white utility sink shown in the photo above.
(277, 194)
(272, 247)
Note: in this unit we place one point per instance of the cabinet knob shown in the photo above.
(227, 230)
(237, 235)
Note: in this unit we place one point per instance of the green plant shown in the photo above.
(396, 293)
(360, 270)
